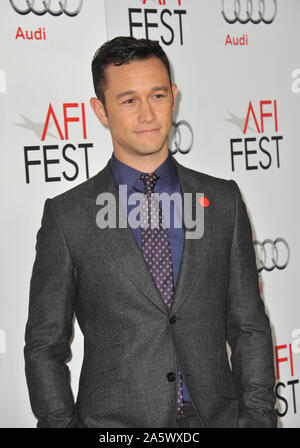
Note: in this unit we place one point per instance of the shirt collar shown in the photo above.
(126, 175)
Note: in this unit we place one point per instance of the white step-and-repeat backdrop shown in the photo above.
(237, 66)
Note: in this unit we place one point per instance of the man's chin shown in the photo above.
(147, 151)
(147, 148)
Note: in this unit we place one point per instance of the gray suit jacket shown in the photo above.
(131, 344)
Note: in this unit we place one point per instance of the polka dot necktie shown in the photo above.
(157, 251)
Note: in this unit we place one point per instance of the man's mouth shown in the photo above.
(147, 131)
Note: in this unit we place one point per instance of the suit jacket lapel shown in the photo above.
(194, 250)
(121, 243)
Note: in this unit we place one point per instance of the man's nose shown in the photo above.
(146, 112)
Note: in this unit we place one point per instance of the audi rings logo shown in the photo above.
(183, 137)
(272, 254)
(55, 8)
(245, 11)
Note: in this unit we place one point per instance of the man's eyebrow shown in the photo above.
(128, 92)
(132, 92)
(164, 88)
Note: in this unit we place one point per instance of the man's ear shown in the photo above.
(174, 91)
(99, 109)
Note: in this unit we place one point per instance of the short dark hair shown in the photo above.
(122, 50)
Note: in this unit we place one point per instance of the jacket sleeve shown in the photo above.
(49, 326)
(248, 329)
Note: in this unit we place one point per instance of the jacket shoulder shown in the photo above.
(209, 182)
(77, 192)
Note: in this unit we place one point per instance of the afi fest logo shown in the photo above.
(155, 20)
(42, 7)
(262, 152)
(49, 160)
(287, 391)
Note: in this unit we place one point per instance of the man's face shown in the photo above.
(139, 104)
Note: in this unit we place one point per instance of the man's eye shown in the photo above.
(129, 101)
(159, 96)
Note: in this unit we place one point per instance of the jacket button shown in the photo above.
(173, 320)
(171, 376)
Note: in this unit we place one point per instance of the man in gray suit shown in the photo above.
(155, 307)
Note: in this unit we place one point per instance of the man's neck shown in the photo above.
(144, 163)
